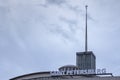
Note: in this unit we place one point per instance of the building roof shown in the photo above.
(47, 72)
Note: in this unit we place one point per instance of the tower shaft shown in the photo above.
(86, 38)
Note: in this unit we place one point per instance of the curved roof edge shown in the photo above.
(68, 66)
(30, 74)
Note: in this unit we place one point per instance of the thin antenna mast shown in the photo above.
(86, 44)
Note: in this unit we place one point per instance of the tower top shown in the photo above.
(86, 5)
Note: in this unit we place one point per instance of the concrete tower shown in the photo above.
(86, 60)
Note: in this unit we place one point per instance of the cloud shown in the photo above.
(31, 33)
(56, 2)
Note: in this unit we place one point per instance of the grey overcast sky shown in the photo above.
(42, 35)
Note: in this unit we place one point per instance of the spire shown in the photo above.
(86, 44)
